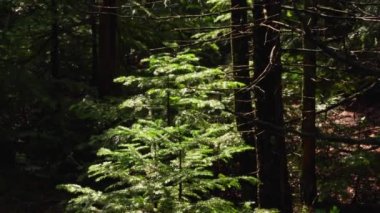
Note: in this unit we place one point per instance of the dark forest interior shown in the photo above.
(190, 106)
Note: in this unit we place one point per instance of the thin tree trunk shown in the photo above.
(94, 42)
(274, 190)
(308, 177)
(54, 52)
(107, 47)
(242, 97)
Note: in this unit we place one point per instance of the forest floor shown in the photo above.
(349, 174)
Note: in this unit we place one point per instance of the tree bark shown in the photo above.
(242, 97)
(308, 177)
(54, 52)
(107, 47)
(94, 42)
(274, 190)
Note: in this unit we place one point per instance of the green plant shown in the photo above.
(164, 162)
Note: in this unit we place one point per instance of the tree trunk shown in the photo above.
(94, 42)
(107, 47)
(274, 190)
(308, 177)
(54, 52)
(242, 97)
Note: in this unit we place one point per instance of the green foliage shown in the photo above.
(164, 161)
(266, 211)
(334, 209)
(180, 82)
(147, 170)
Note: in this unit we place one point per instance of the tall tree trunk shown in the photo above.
(94, 42)
(308, 177)
(242, 97)
(274, 190)
(107, 47)
(54, 52)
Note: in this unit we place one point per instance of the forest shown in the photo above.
(190, 106)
